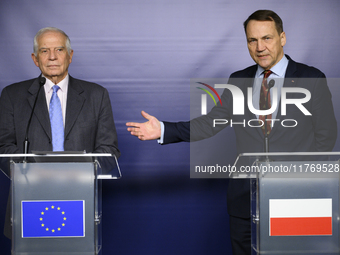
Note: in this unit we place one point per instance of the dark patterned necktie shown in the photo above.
(263, 104)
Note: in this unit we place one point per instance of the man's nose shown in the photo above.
(260, 46)
(52, 55)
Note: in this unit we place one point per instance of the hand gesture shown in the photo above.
(149, 130)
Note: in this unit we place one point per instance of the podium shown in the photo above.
(56, 201)
(294, 201)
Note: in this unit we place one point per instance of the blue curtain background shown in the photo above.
(144, 53)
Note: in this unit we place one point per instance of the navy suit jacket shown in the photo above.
(317, 132)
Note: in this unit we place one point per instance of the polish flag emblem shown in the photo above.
(300, 217)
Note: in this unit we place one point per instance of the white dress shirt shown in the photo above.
(62, 94)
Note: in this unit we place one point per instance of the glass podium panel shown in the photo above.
(294, 202)
(56, 201)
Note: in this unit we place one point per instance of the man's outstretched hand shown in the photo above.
(150, 130)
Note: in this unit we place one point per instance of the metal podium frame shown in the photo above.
(289, 179)
(56, 201)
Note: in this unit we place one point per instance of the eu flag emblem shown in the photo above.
(53, 218)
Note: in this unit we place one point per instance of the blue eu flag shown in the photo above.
(53, 218)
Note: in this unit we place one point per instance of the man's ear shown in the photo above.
(283, 39)
(35, 60)
(71, 56)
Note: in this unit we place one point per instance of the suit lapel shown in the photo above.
(40, 111)
(75, 102)
(289, 81)
(291, 71)
(249, 84)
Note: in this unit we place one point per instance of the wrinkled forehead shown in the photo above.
(51, 37)
(258, 29)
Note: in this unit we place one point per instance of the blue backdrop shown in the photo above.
(144, 53)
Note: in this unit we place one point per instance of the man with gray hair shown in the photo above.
(42, 54)
(69, 114)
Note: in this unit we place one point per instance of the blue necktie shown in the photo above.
(56, 118)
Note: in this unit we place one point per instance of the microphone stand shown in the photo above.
(42, 81)
(266, 139)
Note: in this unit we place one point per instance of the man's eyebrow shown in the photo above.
(58, 47)
(268, 35)
(251, 38)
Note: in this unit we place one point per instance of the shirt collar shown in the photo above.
(63, 84)
(279, 69)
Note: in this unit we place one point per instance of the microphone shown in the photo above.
(42, 81)
(266, 140)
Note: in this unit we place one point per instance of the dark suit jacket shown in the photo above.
(89, 124)
(313, 133)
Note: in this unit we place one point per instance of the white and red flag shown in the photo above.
(300, 217)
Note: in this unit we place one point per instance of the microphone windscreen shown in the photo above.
(42, 81)
(271, 83)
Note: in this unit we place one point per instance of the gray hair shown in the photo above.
(50, 29)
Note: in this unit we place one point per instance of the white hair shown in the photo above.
(49, 29)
